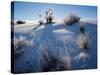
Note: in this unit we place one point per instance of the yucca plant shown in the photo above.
(49, 17)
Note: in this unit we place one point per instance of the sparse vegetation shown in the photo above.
(82, 28)
(49, 62)
(41, 22)
(71, 19)
(19, 45)
(83, 38)
(52, 63)
(20, 22)
(52, 51)
(83, 41)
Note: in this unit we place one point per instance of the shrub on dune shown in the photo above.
(41, 22)
(71, 19)
(20, 22)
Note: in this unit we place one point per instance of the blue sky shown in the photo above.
(31, 11)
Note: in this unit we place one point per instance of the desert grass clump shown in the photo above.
(48, 62)
(20, 44)
(71, 19)
(56, 64)
(83, 41)
(63, 63)
(18, 47)
(53, 63)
